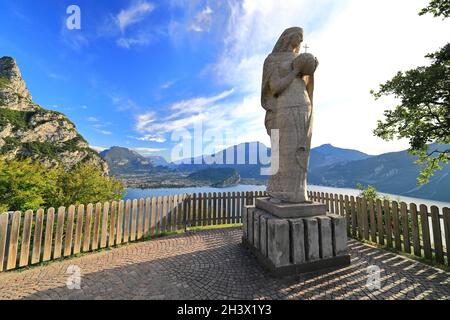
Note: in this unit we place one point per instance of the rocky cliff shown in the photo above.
(28, 130)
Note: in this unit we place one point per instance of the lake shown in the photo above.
(144, 193)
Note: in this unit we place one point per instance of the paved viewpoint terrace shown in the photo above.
(212, 264)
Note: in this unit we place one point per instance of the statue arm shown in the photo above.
(278, 84)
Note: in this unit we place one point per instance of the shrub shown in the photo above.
(27, 184)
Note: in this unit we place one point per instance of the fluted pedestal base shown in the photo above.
(289, 246)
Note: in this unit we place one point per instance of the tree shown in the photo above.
(25, 184)
(437, 8)
(370, 193)
(86, 184)
(423, 115)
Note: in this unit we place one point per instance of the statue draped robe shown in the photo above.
(291, 112)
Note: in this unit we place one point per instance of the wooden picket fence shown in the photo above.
(418, 230)
(31, 238)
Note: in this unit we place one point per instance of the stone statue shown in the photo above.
(287, 96)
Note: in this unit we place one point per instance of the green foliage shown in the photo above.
(4, 82)
(18, 119)
(85, 184)
(10, 143)
(423, 115)
(437, 8)
(25, 184)
(370, 193)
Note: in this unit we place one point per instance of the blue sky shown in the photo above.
(139, 69)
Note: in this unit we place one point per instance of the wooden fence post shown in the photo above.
(341, 205)
(104, 229)
(348, 213)
(388, 220)
(415, 230)
(380, 227)
(330, 204)
(175, 214)
(446, 213)
(215, 208)
(3, 232)
(365, 219)
(373, 224)
(126, 225)
(437, 235)
(140, 222)
(78, 229)
(147, 217)
(26, 237)
(169, 213)
(396, 224)
(48, 240)
(425, 231)
(134, 218)
(112, 224)
(153, 218)
(59, 232)
(13, 241)
(87, 228)
(37, 239)
(405, 227)
(205, 209)
(69, 231)
(220, 209)
(210, 211)
(354, 216)
(194, 210)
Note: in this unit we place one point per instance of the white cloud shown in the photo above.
(196, 105)
(145, 151)
(57, 76)
(184, 114)
(359, 44)
(133, 14)
(124, 104)
(105, 132)
(202, 21)
(168, 84)
(92, 119)
(144, 121)
(128, 42)
(98, 149)
(152, 138)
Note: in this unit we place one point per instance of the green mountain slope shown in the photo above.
(28, 130)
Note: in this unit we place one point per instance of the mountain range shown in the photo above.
(394, 172)
(125, 161)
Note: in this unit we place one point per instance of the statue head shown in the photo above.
(306, 63)
(289, 41)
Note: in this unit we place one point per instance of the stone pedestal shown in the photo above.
(295, 238)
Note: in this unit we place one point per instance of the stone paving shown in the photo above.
(212, 264)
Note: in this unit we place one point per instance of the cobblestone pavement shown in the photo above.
(213, 265)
